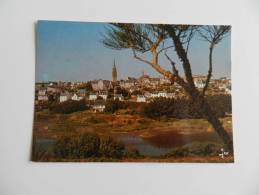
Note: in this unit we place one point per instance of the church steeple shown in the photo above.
(114, 72)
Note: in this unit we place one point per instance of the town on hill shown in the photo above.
(142, 89)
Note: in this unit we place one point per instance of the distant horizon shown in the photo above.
(74, 81)
(73, 52)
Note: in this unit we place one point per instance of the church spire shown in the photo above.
(114, 72)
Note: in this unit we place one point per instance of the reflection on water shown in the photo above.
(144, 147)
(172, 139)
(165, 142)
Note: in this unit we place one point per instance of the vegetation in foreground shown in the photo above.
(84, 146)
(91, 147)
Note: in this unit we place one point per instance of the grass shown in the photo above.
(108, 123)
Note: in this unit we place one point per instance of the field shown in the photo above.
(153, 139)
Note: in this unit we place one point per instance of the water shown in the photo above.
(158, 145)
(164, 142)
(143, 146)
(45, 143)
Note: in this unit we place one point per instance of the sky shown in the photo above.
(73, 51)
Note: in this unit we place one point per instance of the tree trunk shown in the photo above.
(206, 109)
(191, 90)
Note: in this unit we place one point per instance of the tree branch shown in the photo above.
(181, 53)
(165, 48)
(154, 65)
(176, 75)
(209, 71)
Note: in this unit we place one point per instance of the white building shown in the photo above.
(165, 81)
(100, 85)
(76, 97)
(43, 98)
(228, 90)
(53, 89)
(42, 92)
(199, 81)
(154, 95)
(99, 106)
(147, 94)
(141, 98)
(64, 97)
(93, 96)
(199, 84)
(103, 94)
(127, 84)
(170, 95)
(119, 97)
(158, 94)
(162, 94)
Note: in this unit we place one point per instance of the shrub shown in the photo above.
(39, 153)
(111, 148)
(196, 149)
(185, 108)
(85, 145)
(113, 105)
(132, 153)
(88, 145)
(70, 106)
(220, 104)
(159, 107)
(63, 147)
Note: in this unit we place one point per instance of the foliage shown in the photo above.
(82, 146)
(196, 149)
(87, 86)
(159, 107)
(39, 153)
(123, 91)
(185, 108)
(70, 106)
(88, 145)
(137, 92)
(221, 104)
(113, 105)
(111, 148)
(99, 98)
(64, 147)
(139, 37)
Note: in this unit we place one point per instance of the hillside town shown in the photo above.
(142, 89)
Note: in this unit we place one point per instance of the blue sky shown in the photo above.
(73, 51)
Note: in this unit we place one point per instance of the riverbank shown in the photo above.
(151, 138)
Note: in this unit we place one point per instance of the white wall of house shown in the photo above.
(92, 97)
(99, 107)
(43, 98)
(141, 98)
(42, 92)
(64, 98)
(75, 97)
(120, 97)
